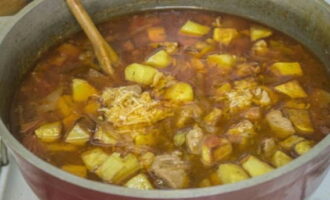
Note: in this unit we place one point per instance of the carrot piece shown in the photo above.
(156, 34)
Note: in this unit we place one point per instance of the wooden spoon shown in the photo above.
(104, 53)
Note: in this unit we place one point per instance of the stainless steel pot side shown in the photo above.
(43, 22)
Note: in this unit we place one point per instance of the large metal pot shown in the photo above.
(43, 22)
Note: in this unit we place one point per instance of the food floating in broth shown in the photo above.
(199, 99)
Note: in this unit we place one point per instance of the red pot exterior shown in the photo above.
(294, 185)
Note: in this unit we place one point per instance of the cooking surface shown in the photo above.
(13, 186)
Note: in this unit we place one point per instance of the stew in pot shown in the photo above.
(199, 99)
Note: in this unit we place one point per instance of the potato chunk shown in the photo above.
(131, 166)
(256, 167)
(94, 158)
(290, 142)
(77, 170)
(194, 29)
(139, 181)
(49, 132)
(180, 92)
(138, 73)
(222, 60)
(292, 89)
(78, 135)
(224, 35)
(280, 125)
(215, 149)
(258, 32)
(110, 167)
(287, 69)
(103, 136)
(280, 158)
(231, 173)
(82, 90)
(301, 120)
(303, 147)
(161, 59)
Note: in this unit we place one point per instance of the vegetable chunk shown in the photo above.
(82, 90)
(256, 167)
(303, 147)
(180, 92)
(138, 73)
(301, 120)
(231, 173)
(78, 135)
(49, 132)
(156, 34)
(280, 158)
(94, 158)
(224, 35)
(110, 167)
(222, 60)
(287, 69)
(139, 181)
(292, 89)
(280, 125)
(161, 59)
(131, 166)
(259, 32)
(290, 142)
(77, 170)
(194, 29)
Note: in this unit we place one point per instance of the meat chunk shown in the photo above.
(172, 169)
(253, 113)
(241, 133)
(280, 125)
(194, 139)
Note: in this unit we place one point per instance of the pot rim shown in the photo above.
(46, 167)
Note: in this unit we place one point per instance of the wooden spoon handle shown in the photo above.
(104, 53)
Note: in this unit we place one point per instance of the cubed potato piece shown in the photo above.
(77, 170)
(179, 138)
(140, 182)
(161, 59)
(303, 147)
(130, 167)
(50, 132)
(280, 158)
(256, 167)
(94, 158)
(241, 132)
(223, 151)
(290, 142)
(180, 92)
(224, 35)
(145, 139)
(292, 89)
(287, 69)
(301, 120)
(103, 136)
(280, 125)
(231, 173)
(78, 135)
(82, 90)
(205, 183)
(213, 117)
(110, 167)
(156, 34)
(138, 73)
(222, 60)
(194, 29)
(65, 105)
(259, 32)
